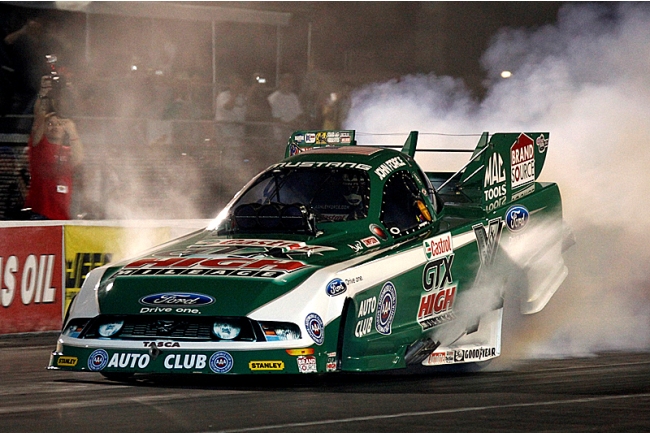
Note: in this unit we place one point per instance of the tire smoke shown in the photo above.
(585, 80)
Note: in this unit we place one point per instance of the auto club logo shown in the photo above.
(315, 328)
(98, 360)
(386, 309)
(221, 362)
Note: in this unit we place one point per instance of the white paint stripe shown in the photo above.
(115, 401)
(434, 412)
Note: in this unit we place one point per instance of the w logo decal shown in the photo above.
(488, 241)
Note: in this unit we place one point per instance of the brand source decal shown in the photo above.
(193, 299)
(307, 364)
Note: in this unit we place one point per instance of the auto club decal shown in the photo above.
(98, 360)
(221, 362)
(386, 311)
(315, 328)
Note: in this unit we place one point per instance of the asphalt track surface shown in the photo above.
(609, 392)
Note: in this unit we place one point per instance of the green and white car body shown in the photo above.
(339, 258)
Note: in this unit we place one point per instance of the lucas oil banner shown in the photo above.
(31, 290)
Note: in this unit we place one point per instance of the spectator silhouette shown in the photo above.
(54, 150)
(285, 108)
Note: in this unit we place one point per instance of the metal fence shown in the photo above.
(145, 168)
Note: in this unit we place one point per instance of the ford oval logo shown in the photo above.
(517, 218)
(336, 287)
(175, 298)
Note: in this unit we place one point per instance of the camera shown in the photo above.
(58, 95)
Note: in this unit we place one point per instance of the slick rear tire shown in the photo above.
(118, 377)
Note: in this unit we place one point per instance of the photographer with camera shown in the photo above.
(55, 151)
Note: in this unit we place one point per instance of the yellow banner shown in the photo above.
(89, 247)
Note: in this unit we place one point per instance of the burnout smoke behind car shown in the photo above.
(585, 79)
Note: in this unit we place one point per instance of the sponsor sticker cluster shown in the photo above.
(219, 362)
(437, 302)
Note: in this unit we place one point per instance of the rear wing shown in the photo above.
(503, 166)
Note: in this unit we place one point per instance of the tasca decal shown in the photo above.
(184, 299)
(232, 267)
(517, 218)
(386, 308)
(522, 161)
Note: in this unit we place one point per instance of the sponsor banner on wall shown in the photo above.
(89, 247)
(31, 286)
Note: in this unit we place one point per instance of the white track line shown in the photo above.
(433, 412)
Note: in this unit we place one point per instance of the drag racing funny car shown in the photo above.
(340, 258)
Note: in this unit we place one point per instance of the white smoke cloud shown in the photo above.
(586, 80)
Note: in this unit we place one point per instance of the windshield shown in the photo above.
(331, 194)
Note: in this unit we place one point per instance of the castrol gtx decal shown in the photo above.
(234, 267)
(436, 304)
